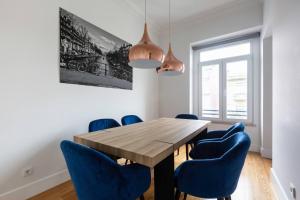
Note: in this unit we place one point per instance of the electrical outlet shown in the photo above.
(293, 191)
(27, 171)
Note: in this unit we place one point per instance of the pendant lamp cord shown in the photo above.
(169, 22)
(145, 11)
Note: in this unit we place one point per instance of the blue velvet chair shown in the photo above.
(130, 119)
(96, 176)
(215, 170)
(222, 134)
(187, 116)
(192, 117)
(100, 124)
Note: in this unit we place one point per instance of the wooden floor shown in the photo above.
(254, 183)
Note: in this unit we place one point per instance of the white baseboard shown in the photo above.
(277, 187)
(254, 148)
(266, 153)
(36, 187)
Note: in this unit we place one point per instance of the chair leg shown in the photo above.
(178, 152)
(177, 194)
(126, 162)
(187, 151)
(228, 198)
(185, 196)
(131, 162)
(142, 197)
(192, 145)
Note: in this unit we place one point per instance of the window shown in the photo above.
(225, 80)
(210, 91)
(236, 95)
(225, 52)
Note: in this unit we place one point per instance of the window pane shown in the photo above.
(210, 91)
(236, 82)
(225, 52)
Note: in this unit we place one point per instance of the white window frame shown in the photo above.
(253, 70)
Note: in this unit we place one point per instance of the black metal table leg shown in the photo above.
(163, 179)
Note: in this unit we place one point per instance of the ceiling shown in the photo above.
(158, 11)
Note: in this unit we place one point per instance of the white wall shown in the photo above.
(266, 82)
(36, 111)
(175, 92)
(266, 97)
(285, 28)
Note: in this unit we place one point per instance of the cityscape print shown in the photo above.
(92, 56)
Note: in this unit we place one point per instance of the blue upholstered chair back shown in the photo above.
(96, 176)
(216, 172)
(130, 119)
(100, 124)
(186, 116)
(236, 148)
(237, 127)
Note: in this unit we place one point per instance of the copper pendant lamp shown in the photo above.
(145, 54)
(171, 65)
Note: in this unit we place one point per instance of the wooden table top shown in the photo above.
(146, 143)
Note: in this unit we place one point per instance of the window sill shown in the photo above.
(249, 124)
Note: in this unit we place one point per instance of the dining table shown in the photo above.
(151, 143)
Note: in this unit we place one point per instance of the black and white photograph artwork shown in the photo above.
(92, 56)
